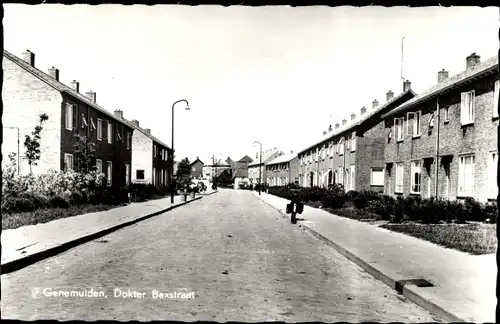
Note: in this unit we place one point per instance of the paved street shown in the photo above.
(241, 259)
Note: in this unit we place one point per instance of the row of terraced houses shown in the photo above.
(125, 152)
(441, 142)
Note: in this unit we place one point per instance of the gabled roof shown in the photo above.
(282, 159)
(483, 68)
(266, 157)
(57, 85)
(134, 126)
(363, 119)
(246, 159)
(197, 160)
(240, 173)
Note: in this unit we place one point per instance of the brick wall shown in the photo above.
(161, 164)
(142, 157)
(197, 172)
(24, 98)
(370, 155)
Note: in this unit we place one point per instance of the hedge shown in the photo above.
(410, 208)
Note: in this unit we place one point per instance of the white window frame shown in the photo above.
(84, 121)
(417, 121)
(353, 142)
(92, 125)
(466, 181)
(399, 129)
(416, 168)
(99, 129)
(495, 98)
(493, 169)
(98, 165)
(109, 172)
(341, 175)
(341, 146)
(68, 117)
(110, 132)
(323, 153)
(127, 174)
(372, 182)
(352, 183)
(446, 114)
(68, 162)
(399, 178)
(467, 107)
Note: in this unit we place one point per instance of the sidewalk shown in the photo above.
(464, 285)
(27, 244)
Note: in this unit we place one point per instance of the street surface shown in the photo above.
(238, 256)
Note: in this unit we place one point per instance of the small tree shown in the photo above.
(32, 144)
(84, 154)
(184, 171)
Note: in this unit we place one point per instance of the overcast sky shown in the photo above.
(280, 75)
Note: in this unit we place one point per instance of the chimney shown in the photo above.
(330, 129)
(406, 85)
(353, 116)
(118, 113)
(363, 110)
(53, 72)
(75, 86)
(337, 125)
(291, 152)
(324, 133)
(472, 60)
(375, 103)
(136, 122)
(442, 75)
(148, 130)
(344, 121)
(92, 96)
(389, 95)
(29, 58)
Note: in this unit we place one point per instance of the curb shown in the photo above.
(377, 274)
(208, 194)
(20, 263)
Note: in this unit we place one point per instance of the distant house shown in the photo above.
(283, 170)
(197, 168)
(213, 170)
(256, 169)
(240, 171)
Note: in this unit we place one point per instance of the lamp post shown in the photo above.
(260, 165)
(18, 157)
(173, 151)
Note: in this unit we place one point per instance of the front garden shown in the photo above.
(467, 225)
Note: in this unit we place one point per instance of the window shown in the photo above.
(68, 162)
(416, 123)
(84, 122)
(431, 121)
(139, 174)
(493, 174)
(398, 128)
(324, 153)
(466, 175)
(110, 132)
(416, 176)
(341, 175)
(348, 143)
(377, 177)
(129, 140)
(92, 124)
(353, 178)
(399, 177)
(446, 114)
(99, 129)
(332, 148)
(68, 115)
(98, 165)
(109, 175)
(495, 99)
(193, 169)
(154, 176)
(127, 174)
(467, 108)
(316, 155)
(341, 146)
(353, 145)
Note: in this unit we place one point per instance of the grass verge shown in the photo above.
(44, 215)
(474, 238)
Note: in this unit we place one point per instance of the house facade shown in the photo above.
(28, 92)
(197, 168)
(209, 171)
(443, 143)
(256, 168)
(283, 170)
(352, 154)
(240, 171)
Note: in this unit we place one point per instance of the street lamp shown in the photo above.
(18, 157)
(260, 165)
(173, 151)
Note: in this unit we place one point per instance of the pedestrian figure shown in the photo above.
(294, 207)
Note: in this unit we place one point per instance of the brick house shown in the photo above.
(28, 92)
(283, 170)
(444, 141)
(197, 168)
(353, 153)
(240, 170)
(254, 166)
(151, 157)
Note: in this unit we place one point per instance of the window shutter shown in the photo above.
(463, 107)
(75, 116)
(472, 104)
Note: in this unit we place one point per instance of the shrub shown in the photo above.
(333, 200)
(490, 211)
(455, 211)
(399, 210)
(351, 195)
(473, 210)
(59, 202)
